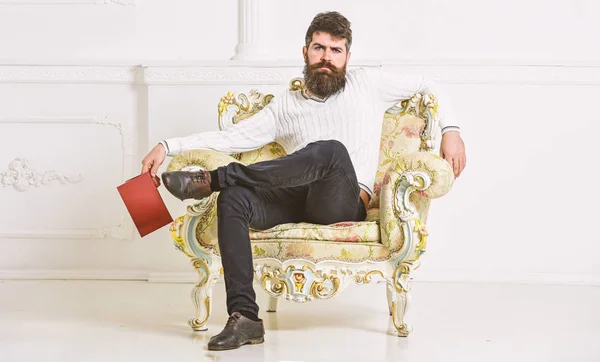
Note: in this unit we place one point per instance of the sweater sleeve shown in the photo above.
(392, 87)
(247, 135)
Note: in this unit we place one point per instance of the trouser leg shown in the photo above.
(323, 167)
(239, 208)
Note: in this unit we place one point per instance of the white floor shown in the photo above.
(136, 321)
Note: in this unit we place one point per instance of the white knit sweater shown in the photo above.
(353, 116)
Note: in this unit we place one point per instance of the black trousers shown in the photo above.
(316, 184)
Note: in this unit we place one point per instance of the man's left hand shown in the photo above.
(452, 149)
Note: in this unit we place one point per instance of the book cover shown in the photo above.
(144, 204)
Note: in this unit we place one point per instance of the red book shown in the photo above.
(144, 203)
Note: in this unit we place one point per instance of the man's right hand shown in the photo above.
(154, 159)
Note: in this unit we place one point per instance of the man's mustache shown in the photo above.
(324, 64)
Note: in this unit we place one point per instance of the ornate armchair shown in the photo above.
(303, 262)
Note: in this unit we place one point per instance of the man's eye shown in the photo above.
(337, 50)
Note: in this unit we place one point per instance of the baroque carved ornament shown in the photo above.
(22, 178)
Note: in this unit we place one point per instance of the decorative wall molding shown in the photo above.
(124, 128)
(96, 74)
(73, 274)
(281, 72)
(68, 2)
(442, 73)
(125, 132)
(22, 178)
(118, 2)
(449, 276)
(251, 32)
(220, 75)
(506, 74)
(122, 231)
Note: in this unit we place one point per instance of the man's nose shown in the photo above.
(326, 55)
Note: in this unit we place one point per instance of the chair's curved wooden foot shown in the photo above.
(272, 305)
(398, 294)
(202, 293)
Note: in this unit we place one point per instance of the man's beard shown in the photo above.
(324, 83)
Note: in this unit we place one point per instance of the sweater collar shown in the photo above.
(310, 97)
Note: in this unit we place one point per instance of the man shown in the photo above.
(331, 131)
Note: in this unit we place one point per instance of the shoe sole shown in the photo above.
(250, 341)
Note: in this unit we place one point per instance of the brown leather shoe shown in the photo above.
(238, 331)
(187, 185)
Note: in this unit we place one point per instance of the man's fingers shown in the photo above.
(456, 166)
(145, 166)
(463, 162)
(154, 168)
(451, 162)
(156, 181)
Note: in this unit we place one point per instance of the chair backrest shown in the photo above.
(407, 127)
(236, 107)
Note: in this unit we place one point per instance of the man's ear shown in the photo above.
(304, 51)
(348, 57)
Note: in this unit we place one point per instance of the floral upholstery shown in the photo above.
(206, 232)
(303, 261)
(268, 152)
(381, 227)
(343, 231)
(435, 168)
(319, 251)
(399, 152)
(400, 136)
(316, 250)
(206, 159)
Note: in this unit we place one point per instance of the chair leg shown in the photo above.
(202, 294)
(398, 287)
(272, 304)
(390, 299)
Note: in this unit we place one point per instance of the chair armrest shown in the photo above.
(205, 159)
(202, 215)
(415, 176)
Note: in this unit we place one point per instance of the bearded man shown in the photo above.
(330, 130)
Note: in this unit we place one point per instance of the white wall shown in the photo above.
(106, 30)
(86, 87)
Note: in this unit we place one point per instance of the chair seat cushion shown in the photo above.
(352, 242)
(318, 251)
(353, 232)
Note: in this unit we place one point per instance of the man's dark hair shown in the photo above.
(333, 23)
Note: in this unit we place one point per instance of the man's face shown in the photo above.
(325, 64)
